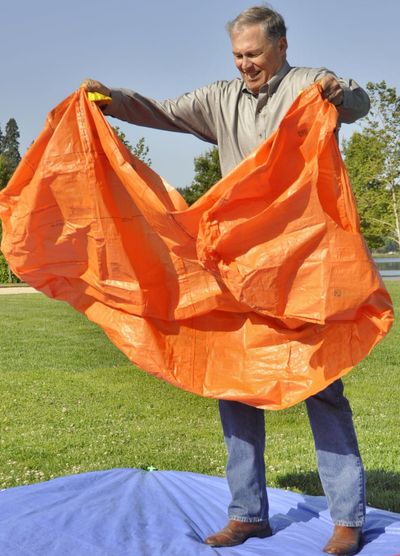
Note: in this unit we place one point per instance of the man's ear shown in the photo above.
(283, 44)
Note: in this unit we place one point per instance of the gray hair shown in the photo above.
(271, 21)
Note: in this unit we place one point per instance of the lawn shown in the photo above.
(70, 402)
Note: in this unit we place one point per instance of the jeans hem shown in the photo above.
(357, 523)
(248, 519)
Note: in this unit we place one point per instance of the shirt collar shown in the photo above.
(273, 83)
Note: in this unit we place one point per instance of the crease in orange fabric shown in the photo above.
(263, 291)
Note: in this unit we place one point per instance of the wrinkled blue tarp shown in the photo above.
(132, 512)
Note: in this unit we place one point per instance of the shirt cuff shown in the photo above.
(113, 107)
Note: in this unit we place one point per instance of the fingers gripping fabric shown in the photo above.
(262, 291)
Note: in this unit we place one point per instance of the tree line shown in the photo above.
(372, 157)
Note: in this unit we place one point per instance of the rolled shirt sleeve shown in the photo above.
(356, 103)
(189, 113)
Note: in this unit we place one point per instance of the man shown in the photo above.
(237, 116)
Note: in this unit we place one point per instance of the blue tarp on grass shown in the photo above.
(130, 512)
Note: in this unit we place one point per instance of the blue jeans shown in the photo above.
(339, 462)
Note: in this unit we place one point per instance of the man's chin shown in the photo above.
(252, 87)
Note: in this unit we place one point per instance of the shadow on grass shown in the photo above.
(382, 487)
(382, 492)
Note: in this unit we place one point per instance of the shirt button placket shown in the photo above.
(259, 122)
(260, 116)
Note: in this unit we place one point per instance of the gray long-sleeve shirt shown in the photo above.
(226, 114)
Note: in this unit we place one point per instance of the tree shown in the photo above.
(9, 152)
(9, 160)
(364, 160)
(207, 173)
(10, 145)
(140, 150)
(5, 171)
(373, 160)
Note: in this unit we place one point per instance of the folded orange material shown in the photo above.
(263, 291)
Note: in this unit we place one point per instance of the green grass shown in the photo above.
(392, 255)
(70, 402)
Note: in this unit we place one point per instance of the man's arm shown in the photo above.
(189, 113)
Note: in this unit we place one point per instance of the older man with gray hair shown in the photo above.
(237, 116)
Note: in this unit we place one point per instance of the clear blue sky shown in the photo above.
(164, 48)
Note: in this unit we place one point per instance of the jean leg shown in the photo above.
(339, 462)
(244, 433)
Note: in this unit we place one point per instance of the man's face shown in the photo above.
(256, 57)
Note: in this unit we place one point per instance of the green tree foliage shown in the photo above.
(140, 150)
(372, 157)
(9, 160)
(10, 144)
(4, 278)
(207, 173)
(5, 273)
(5, 171)
(365, 159)
(9, 152)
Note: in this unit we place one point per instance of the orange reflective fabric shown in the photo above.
(263, 291)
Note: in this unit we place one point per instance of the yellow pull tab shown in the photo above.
(98, 97)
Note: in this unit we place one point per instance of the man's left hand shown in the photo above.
(331, 90)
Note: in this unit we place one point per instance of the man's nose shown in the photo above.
(246, 63)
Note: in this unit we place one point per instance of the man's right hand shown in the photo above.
(92, 86)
